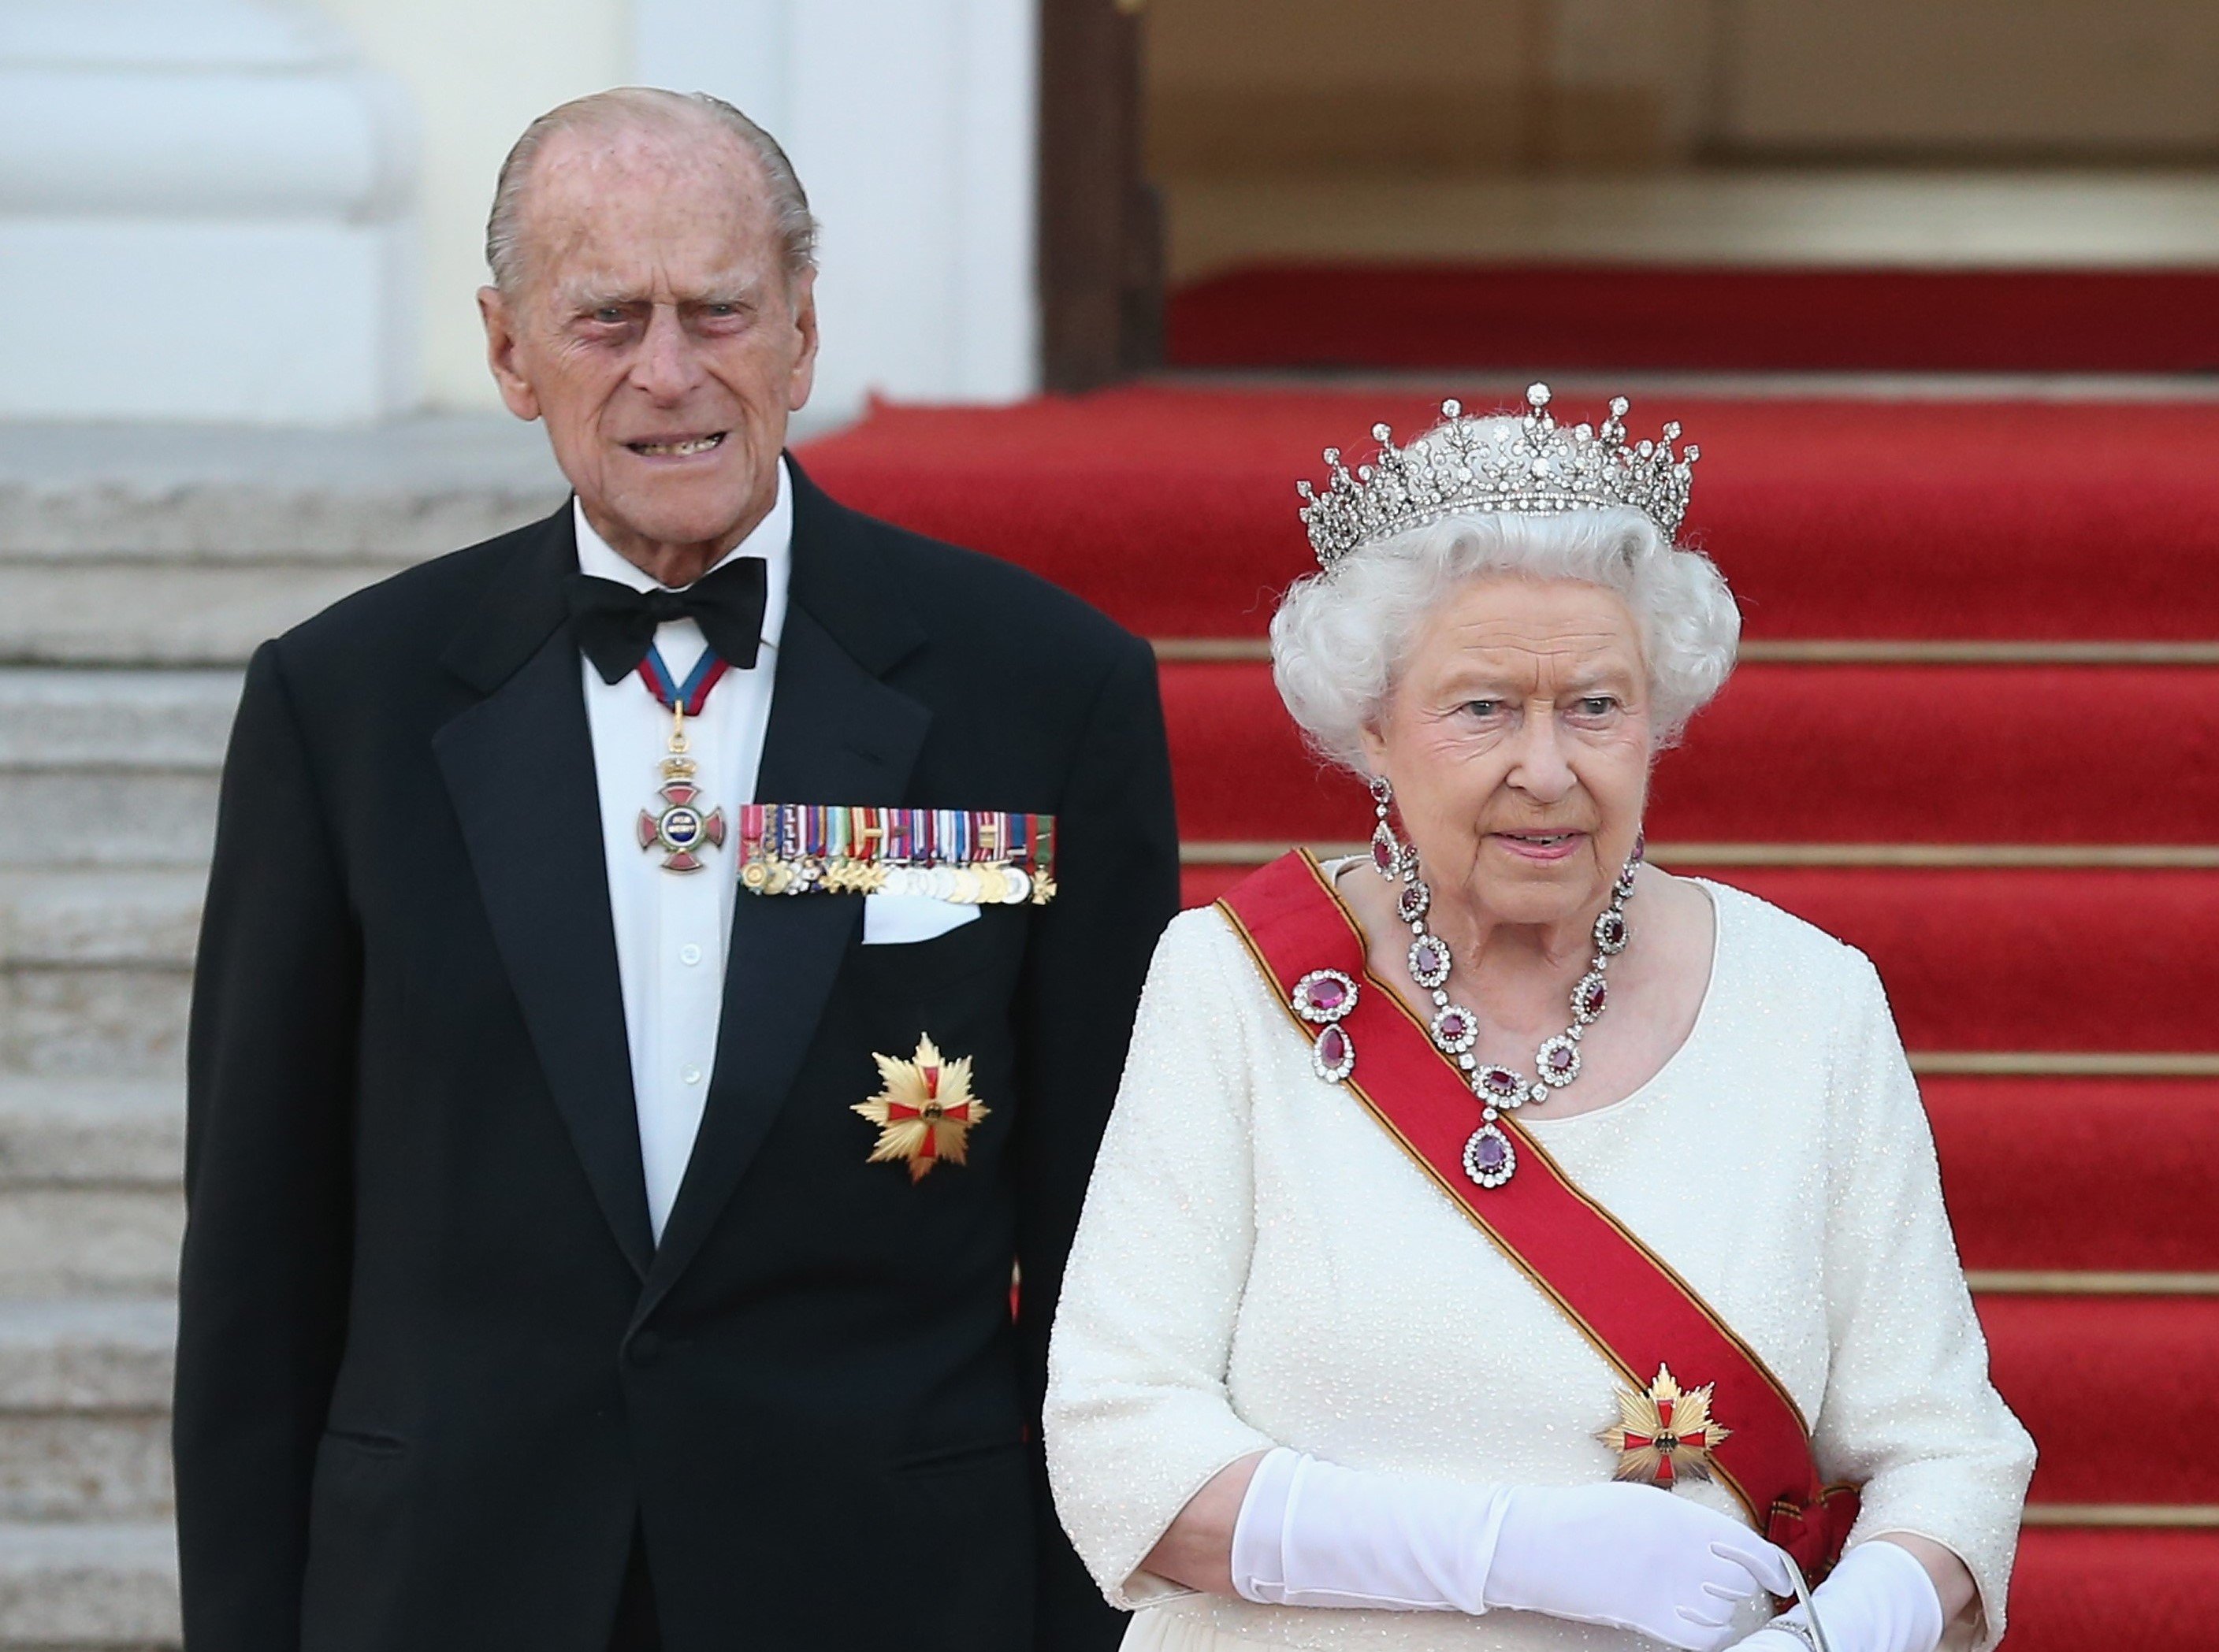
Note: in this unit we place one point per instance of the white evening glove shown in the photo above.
(1312, 1534)
(1878, 1599)
(1634, 1557)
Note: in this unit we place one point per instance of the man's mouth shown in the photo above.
(680, 447)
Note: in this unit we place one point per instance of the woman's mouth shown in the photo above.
(1541, 846)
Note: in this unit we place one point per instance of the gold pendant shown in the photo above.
(1664, 1433)
(925, 1113)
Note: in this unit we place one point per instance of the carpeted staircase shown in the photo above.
(1624, 317)
(1978, 736)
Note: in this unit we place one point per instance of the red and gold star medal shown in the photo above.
(925, 1113)
(1664, 1434)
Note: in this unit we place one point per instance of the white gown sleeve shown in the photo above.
(1137, 1417)
(1908, 1407)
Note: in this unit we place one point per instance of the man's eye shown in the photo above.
(608, 315)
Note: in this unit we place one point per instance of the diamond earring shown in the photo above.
(1389, 855)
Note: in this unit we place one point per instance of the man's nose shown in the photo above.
(667, 366)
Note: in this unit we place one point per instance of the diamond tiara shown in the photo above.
(1529, 464)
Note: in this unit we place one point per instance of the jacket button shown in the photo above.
(646, 1348)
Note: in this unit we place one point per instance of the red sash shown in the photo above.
(1625, 1299)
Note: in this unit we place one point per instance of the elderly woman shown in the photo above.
(1500, 1243)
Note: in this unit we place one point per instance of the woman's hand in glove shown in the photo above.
(1634, 1557)
(1878, 1599)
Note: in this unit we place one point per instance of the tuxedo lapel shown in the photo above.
(838, 734)
(518, 766)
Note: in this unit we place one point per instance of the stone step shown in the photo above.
(65, 1467)
(111, 767)
(113, 917)
(64, 1133)
(179, 547)
(114, 818)
(93, 1021)
(84, 1402)
(95, 968)
(398, 492)
(67, 1586)
(58, 1242)
(143, 721)
(91, 1196)
(87, 1354)
(85, 610)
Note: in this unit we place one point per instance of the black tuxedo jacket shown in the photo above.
(432, 1371)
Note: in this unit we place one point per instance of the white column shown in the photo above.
(204, 216)
(912, 125)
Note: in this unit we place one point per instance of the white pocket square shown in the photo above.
(897, 920)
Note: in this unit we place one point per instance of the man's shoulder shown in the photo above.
(988, 604)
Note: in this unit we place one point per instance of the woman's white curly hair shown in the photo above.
(1339, 637)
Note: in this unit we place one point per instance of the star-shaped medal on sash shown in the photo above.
(925, 1113)
(1664, 1433)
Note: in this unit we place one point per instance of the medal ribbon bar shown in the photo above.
(972, 856)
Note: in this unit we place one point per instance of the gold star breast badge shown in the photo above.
(1664, 1433)
(925, 1112)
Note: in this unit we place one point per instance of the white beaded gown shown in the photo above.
(1260, 1264)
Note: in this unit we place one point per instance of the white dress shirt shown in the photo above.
(673, 929)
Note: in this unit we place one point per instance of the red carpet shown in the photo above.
(2117, 1386)
(2027, 959)
(2125, 1166)
(1174, 509)
(2115, 1591)
(1997, 959)
(1710, 319)
(1796, 754)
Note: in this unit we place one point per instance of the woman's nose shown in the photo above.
(1541, 770)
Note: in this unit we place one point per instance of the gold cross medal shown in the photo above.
(679, 827)
(925, 1113)
(1664, 1433)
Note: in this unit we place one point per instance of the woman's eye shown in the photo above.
(1482, 707)
(608, 315)
(1598, 705)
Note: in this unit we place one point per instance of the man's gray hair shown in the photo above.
(1340, 639)
(641, 106)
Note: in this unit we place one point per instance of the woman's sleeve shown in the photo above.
(1908, 1408)
(1137, 1417)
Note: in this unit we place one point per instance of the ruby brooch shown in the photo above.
(1490, 1159)
(1324, 998)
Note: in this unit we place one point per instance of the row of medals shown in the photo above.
(989, 884)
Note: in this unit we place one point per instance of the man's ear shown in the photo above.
(803, 378)
(500, 320)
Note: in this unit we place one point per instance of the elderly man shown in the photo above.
(664, 969)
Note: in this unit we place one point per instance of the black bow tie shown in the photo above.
(615, 625)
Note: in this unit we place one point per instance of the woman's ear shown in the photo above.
(1375, 749)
